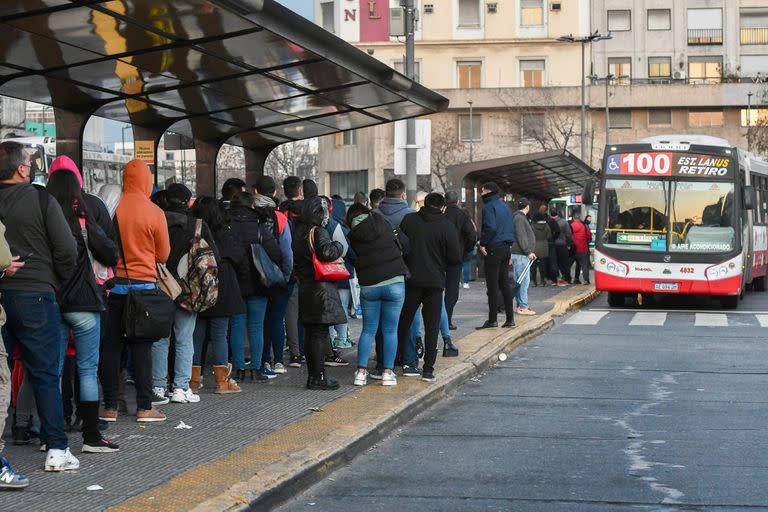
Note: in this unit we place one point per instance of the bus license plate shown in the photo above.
(666, 287)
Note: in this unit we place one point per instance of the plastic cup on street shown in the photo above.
(502, 357)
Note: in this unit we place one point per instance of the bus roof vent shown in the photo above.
(683, 142)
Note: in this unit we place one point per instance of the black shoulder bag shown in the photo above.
(148, 313)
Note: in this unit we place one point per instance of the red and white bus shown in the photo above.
(681, 214)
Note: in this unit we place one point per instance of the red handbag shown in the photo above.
(328, 271)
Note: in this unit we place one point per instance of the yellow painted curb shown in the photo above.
(268, 471)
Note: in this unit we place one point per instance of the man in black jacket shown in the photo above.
(38, 232)
(434, 247)
(468, 238)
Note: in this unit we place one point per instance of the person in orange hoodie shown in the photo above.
(143, 233)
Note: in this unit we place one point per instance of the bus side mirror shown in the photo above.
(749, 197)
(589, 193)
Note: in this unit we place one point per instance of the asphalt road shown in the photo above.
(658, 408)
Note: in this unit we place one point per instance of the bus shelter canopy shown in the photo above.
(544, 175)
(247, 72)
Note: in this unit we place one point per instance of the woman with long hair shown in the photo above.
(213, 324)
(80, 298)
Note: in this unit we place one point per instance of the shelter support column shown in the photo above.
(69, 134)
(205, 168)
(254, 163)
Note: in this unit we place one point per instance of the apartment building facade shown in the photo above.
(501, 57)
(689, 66)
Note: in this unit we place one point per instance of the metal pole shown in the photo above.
(583, 102)
(607, 114)
(411, 184)
(749, 121)
(471, 131)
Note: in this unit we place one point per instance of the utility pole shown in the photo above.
(607, 79)
(411, 184)
(471, 132)
(749, 121)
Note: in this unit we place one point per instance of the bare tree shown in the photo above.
(447, 150)
(547, 126)
(293, 159)
(757, 133)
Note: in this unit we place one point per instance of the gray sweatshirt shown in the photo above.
(525, 239)
(51, 244)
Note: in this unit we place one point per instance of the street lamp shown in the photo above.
(471, 131)
(607, 79)
(584, 40)
(122, 133)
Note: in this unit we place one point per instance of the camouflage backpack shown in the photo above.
(198, 275)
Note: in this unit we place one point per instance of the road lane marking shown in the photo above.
(645, 318)
(711, 320)
(586, 318)
(763, 319)
(631, 310)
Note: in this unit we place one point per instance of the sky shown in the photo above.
(112, 129)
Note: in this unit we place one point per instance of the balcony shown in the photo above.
(705, 36)
(754, 35)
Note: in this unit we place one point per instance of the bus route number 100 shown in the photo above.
(655, 164)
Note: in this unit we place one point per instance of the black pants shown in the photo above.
(111, 353)
(452, 283)
(582, 265)
(563, 262)
(316, 340)
(497, 281)
(431, 302)
(542, 265)
(552, 263)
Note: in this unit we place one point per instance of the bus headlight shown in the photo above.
(616, 268)
(725, 269)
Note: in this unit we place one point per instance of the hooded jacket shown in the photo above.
(581, 236)
(525, 240)
(394, 210)
(498, 228)
(250, 227)
(434, 247)
(277, 221)
(181, 231)
(464, 227)
(231, 263)
(319, 301)
(543, 238)
(379, 257)
(47, 239)
(565, 235)
(143, 228)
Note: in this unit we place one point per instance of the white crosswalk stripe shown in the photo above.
(648, 319)
(586, 318)
(763, 320)
(711, 320)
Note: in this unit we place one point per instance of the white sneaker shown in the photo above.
(61, 460)
(388, 379)
(192, 398)
(279, 368)
(361, 377)
(465, 286)
(182, 396)
(268, 367)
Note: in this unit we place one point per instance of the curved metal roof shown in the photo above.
(248, 72)
(544, 175)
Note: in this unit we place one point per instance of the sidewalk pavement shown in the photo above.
(258, 447)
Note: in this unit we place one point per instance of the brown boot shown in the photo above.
(196, 382)
(223, 383)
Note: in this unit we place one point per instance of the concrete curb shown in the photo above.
(301, 469)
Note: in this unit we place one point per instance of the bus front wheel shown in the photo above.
(729, 301)
(615, 299)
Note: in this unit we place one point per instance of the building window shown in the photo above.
(659, 19)
(531, 13)
(327, 15)
(705, 70)
(660, 117)
(705, 26)
(758, 116)
(400, 68)
(346, 184)
(753, 26)
(168, 155)
(659, 67)
(621, 118)
(705, 118)
(348, 138)
(469, 13)
(753, 66)
(619, 21)
(475, 134)
(621, 69)
(532, 73)
(469, 74)
(531, 126)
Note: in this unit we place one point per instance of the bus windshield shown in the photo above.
(702, 217)
(636, 214)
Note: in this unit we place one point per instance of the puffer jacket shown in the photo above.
(379, 257)
(581, 236)
(543, 238)
(319, 301)
(251, 228)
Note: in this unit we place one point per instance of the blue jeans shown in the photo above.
(342, 330)
(86, 329)
(34, 323)
(381, 304)
(445, 330)
(217, 329)
(183, 331)
(256, 309)
(276, 308)
(467, 269)
(519, 262)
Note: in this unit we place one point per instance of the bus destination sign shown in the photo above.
(668, 164)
